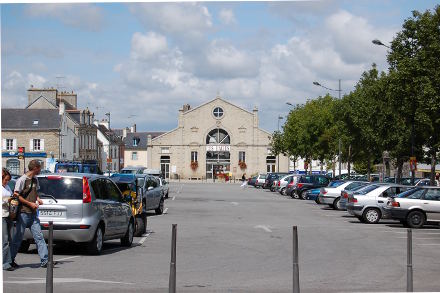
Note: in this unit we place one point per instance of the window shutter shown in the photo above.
(31, 145)
(42, 144)
(14, 144)
(4, 143)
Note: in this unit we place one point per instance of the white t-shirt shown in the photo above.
(6, 194)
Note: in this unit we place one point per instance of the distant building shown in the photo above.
(110, 153)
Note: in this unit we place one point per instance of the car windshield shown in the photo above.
(68, 168)
(355, 186)
(128, 171)
(417, 194)
(61, 187)
(335, 183)
(366, 189)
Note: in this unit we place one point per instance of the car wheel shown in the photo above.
(415, 219)
(294, 195)
(336, 204)
(24, 247)
(140, 225)
(159, 210)
(167, 195)
(95, 246)
(303, 195)
(283, 191)
(127, 240)
(371, 215)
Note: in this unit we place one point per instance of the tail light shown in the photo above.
(279, 183)
(54, 177)
(354, 199)
(86, 191)
(344, 194)
(395, 204)
(300, 185)
(290, 184)
(324, 191)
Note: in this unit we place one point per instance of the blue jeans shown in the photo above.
(31, 221)
(6, 234)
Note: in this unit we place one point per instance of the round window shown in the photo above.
(218, 112)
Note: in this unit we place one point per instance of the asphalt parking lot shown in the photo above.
(231, 239)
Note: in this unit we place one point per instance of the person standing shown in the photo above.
(26, 190)
(6, 222)
(243, 178)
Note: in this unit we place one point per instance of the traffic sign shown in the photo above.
(21, 151)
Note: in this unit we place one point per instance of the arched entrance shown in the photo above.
(217, 153)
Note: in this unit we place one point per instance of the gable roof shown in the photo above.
(215, 99)
(142, 144)
(109, 134)
(23, 119)
(44, 99)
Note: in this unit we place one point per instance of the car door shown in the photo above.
(431, 204)
(115, 200)
(105, 205)
(149, 192)
(382, 198)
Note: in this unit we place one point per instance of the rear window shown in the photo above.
(67, 168)
(61, 187)
(128, 171)
(366, 190)
(335, 183)
(355, 185)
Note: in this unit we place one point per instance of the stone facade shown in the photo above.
(214, 134)
(49, 148)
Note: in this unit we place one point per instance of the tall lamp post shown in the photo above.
(413, 173)
(278, 155)
(339, 144)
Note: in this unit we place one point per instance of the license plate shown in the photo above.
(49, 213)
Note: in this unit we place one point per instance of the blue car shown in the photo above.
(312, 194)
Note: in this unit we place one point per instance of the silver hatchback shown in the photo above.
(84, 208)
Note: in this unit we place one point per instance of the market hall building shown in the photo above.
(214, 138)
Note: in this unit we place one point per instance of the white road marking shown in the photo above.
(165, 211)
(143, 238)
(70, 257)
(429, 244)
(417, 238)
(234, 203)
(61, 280)
(181, 187)
(264, 227)
(174, 197)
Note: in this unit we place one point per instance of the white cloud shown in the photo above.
(144, 47)
(82, 16)
(227, 16)
(188, 21)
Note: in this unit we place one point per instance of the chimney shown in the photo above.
(133, 128)
(105, 123)
(186, 107)
(62, 108)
(124, 132)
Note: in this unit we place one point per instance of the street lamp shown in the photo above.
(413, 175)
(278, 155)
(339, 144)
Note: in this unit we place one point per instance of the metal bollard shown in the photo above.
(409, 267)
(295, 261)
(49, 271)
(172, 283)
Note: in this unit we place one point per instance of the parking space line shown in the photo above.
(429, 244)
(61, 280)
(417, 238)
(174, 197)
(66, 258)
(165, 211)
(264, 227)
(143, 239)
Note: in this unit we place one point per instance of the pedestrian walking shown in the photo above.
(26, 190)
(6, 222)
(243, 178)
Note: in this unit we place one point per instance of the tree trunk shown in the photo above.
(369, 168)
(433, 163)
(334, 168)
(399, 170)
(349, 160)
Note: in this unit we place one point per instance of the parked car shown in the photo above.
(419, 208)
(165, 187)
(261, 179)
(368, 204)
(304, 183)
(90, 166)
(252, 181)
(349, 190)
(133, 170)
(331, 195)
(271, 177)
(84, 208)
(312, 194)
(153, 193)
(284, 181)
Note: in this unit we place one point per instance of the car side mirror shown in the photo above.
(150, 188)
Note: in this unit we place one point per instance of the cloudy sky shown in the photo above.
(142, 61)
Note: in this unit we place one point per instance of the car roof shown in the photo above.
(73, 174)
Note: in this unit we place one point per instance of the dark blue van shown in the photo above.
(78, 167)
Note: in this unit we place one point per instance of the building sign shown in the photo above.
(218, 148)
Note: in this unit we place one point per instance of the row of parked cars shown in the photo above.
(91, 208)
(413, 206)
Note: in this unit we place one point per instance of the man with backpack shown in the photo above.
(26, 190)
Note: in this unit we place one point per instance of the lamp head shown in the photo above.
(377, 42)
(316, 83)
